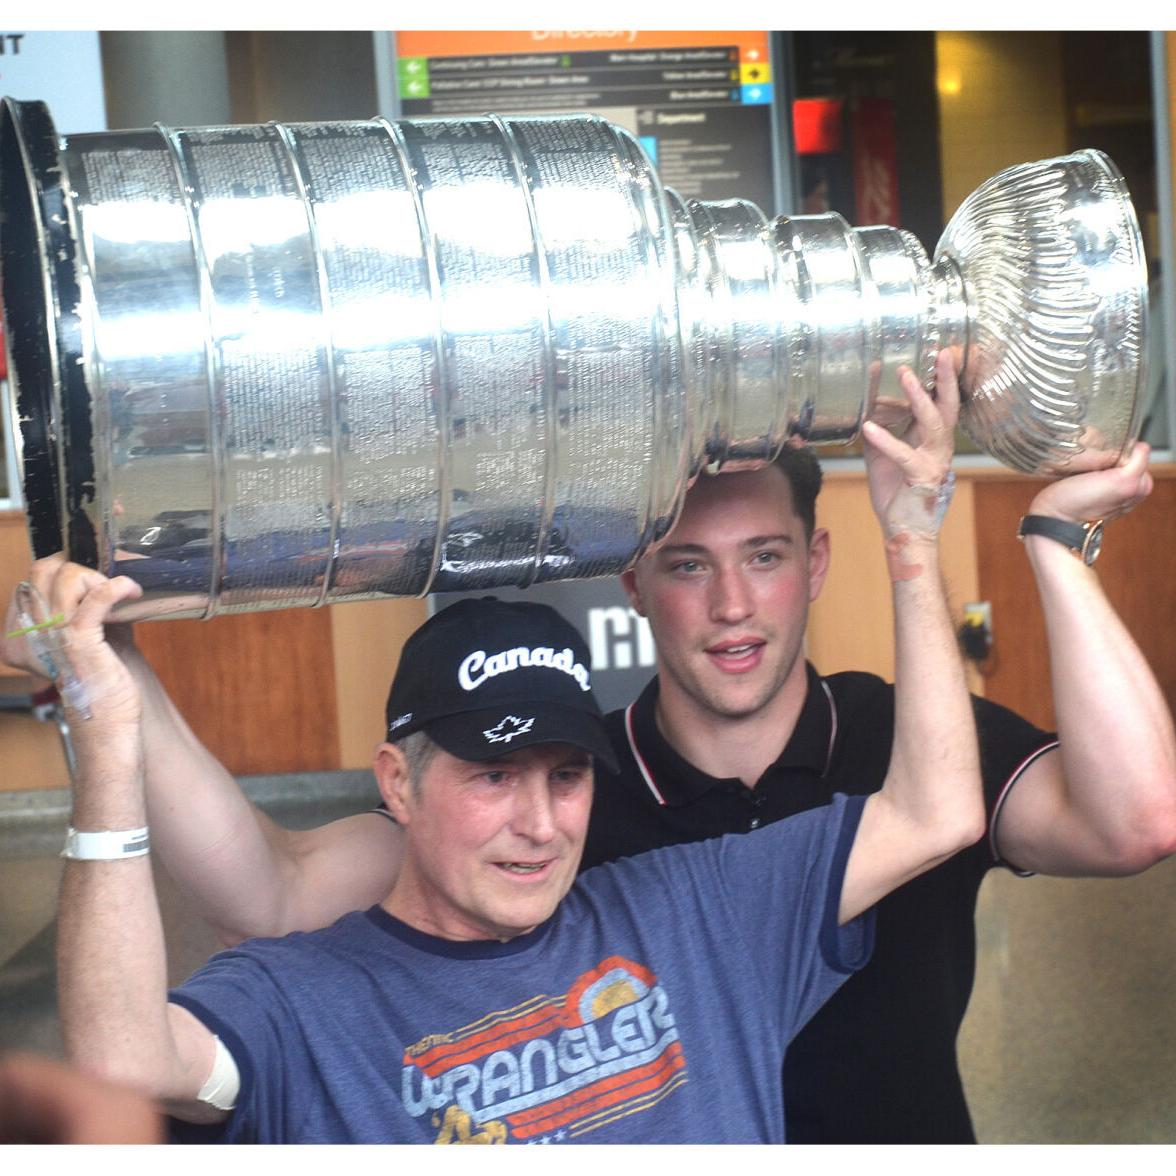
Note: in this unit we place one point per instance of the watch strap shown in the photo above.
(1075, 536)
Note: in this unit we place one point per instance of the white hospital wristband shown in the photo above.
(106, 846)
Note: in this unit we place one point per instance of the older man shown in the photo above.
(490, 996)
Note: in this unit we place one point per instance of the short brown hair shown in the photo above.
(803, 471)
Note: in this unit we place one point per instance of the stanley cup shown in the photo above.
(267, 366)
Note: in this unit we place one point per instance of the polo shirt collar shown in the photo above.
(674, 780)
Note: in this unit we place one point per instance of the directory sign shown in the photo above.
(699, 102)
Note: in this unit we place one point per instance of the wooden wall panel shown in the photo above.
(257, 688)
(31, 754)
(15, 558)
(1137, 569)
(851, 626)
(367, 638)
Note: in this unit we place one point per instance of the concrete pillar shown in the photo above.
(176, 78)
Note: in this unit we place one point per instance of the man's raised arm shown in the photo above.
(246, 875)
(931, 803)
(112, 965)
(1103, 802)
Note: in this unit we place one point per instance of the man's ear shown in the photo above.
(820, 553)
(629, 583)
(394, 780)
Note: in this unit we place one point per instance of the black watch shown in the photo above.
(1083, 539)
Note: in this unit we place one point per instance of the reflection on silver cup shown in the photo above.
(266, 366)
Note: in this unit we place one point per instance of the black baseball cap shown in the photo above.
(485, 677)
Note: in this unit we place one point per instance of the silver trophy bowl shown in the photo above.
(293, 364)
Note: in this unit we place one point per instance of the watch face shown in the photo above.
(1093, 544)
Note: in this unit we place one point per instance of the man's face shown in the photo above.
(727, 594)
(492, 847)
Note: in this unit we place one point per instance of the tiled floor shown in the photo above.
(1071, 1035)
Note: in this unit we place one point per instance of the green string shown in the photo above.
(51, 623)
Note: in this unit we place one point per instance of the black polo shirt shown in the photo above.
(877, 1064)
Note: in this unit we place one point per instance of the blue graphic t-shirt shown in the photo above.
(653, 1007)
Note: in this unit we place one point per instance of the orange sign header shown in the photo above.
(753, 46)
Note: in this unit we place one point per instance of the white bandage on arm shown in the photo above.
(223, 1082)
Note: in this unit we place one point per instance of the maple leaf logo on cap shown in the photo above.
(508, 729)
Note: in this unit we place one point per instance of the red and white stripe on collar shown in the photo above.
(647, 775)
(1016, 774)
(639, 759)
(832, 728)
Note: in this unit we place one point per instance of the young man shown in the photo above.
(736, 731)
(491, 996)
(879, 1062)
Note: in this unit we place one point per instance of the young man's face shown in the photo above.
(727, 594)
(492, 847)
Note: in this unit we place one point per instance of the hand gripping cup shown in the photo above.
(294, 364)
